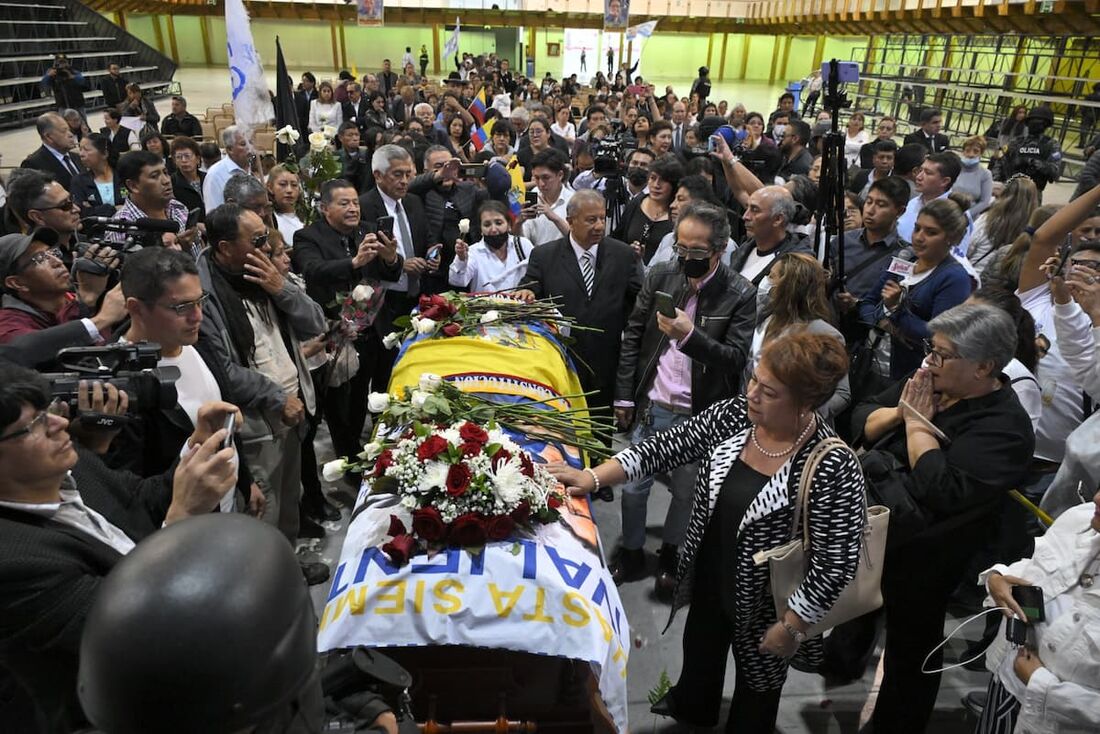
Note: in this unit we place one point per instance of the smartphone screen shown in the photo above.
(192, 218)
(433, 252)
(665, 305)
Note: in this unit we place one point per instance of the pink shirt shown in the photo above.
(672, 384)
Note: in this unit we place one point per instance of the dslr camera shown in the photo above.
(129, 367)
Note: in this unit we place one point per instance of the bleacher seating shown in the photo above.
(30, 35)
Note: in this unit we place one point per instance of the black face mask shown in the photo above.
(694, 268)
(1036, 128)
(637, 176)
(496, 241)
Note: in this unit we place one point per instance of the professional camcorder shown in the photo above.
(129, 367)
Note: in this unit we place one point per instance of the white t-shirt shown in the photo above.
(288, 224)
(196, 386)
(756, 263)
(1027, 390)
(1063, 400)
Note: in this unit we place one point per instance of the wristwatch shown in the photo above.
(793, 631)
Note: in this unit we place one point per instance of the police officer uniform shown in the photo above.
(1036, 155)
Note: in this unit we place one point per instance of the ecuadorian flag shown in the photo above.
(479, 136)
(478, 107)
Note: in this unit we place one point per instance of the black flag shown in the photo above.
(285, 111)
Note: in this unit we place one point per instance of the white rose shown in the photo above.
(490, 316)
(391, 340)
(425, 326)
(371, 450)
(418, 398)
(329, 131)
(463, 226)
(430, 382)
(334, 470)
(378, 402)
(317, 142)
(362, 293)
(287, 135)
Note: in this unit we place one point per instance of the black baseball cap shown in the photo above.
(13, 246)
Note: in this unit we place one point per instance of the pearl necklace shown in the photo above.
(789, 449)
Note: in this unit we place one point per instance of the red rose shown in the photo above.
(500, 457)
(526, 467)
(553, 502)
(467, 531)
(458, 479)
(500, 527)
(521, 512)
(452, 329)
(399, 549)
(432, 447)
(396, 527)
(435, 308)
(472, 432)
(383, 462)
(470, 448)
(432, 300)
(428, 524)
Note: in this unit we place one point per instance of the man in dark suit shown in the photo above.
(61, 533)
(929, 135)
(306, 93)
(356, 107)
(393, 172)
(594, 279)
(181, 122)
(334, 254)
(54, 156)
(403, 109)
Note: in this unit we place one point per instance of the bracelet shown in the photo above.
(792, 631)
(596, 479)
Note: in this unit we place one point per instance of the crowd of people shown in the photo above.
(956, 350)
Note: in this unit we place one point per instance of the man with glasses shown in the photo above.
(150, 196)
(38, 294)
(55, 155)
(65, 521)
(36, 200)
(255, 321)
(672, 368)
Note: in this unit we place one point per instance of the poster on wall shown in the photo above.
(615, 14)
(370, 12)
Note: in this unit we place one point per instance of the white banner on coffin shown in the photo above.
(550, 595)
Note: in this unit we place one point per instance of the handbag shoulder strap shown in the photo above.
(805, 482)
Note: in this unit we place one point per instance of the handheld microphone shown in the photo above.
(143, 224)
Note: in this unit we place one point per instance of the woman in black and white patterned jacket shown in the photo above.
(751, 451)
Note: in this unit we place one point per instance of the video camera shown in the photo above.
(608, 153)
(129, 367)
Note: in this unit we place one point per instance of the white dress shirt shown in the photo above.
(72, 511)
(405, 249)
(213, 186)
(541, 230)
(484, 271)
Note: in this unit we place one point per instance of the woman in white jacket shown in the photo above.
(325, 110)
(1051, 685)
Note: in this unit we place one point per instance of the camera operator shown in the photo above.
(66, 520)
(150, 196)
(1037, 155)
(38, 294)
(66, 84)
(164, 299)
(447, 200)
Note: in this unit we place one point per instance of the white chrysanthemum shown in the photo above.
(433, 475)
(509, 481)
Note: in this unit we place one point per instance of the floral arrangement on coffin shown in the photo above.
(463, 484)
(313, 169)
(461, 314)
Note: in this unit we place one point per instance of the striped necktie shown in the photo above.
(588, 272)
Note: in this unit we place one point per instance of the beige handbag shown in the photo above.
(790, 561)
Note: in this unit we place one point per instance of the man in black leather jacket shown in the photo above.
(673, 368)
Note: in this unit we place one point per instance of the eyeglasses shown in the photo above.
(64, 205)
(1082, 263)
(691, 253)
(182, 309)
(43, 257)
(934, 358)
(37, 426)
(261, 239)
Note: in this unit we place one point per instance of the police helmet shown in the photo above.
(1040, 114)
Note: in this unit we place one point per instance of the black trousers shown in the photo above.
(345, 406)
(697, 696)
(918, 580)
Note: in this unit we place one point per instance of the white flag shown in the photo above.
(644, 30)
(251, 98)
(451, 48)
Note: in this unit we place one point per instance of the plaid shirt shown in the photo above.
(131, 213)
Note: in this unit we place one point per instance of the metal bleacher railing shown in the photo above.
(30, 35)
